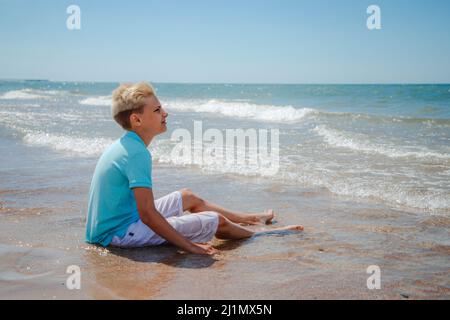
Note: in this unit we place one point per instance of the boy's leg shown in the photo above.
(170, 205)
(228, 230)
(195, 204)
(199, 228)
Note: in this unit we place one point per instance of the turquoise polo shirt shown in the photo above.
(124, 165)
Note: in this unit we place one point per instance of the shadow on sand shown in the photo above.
(174, 257)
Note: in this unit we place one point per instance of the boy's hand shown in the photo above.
(200, 248)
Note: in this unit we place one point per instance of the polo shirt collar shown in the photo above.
(133, 135)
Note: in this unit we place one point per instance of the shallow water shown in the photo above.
(328, 260)
(384, 143)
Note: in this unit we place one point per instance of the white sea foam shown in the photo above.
(394, 194)
(97, 101)
(80, 146)
(263, 166)
(24, 94)
(31, 94)
(353, 185)
(239, 109)
(361, 143)
(356, 185)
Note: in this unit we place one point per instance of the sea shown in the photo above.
(365, 168)
(382, 143)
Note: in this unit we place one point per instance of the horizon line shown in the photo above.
(233, 83)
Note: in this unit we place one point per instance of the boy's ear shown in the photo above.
(134, 119)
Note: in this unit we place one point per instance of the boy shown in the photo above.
(122, 211)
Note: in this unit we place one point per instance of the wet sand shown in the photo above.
(42, 232)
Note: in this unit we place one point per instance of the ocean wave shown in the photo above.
(407, 195)
(353, 185)
(79, 146)
(213, 159)
(245, 110)
(402, 120)
(396, 195)
(287, 114)
(97, 101)
(24, 94)
(32, 94)
(361, 143)
(381, 119)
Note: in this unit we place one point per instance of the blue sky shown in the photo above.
(246, 41)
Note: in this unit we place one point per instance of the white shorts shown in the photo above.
(197, 227)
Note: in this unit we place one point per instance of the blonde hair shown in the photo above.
(129, 98)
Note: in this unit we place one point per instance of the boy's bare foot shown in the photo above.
(295, 227)
(265, 217)
(290, 228)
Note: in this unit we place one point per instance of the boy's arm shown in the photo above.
(155, 221)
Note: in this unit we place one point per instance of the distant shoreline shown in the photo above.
(231, 83)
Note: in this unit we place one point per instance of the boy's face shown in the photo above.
(153, 120)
